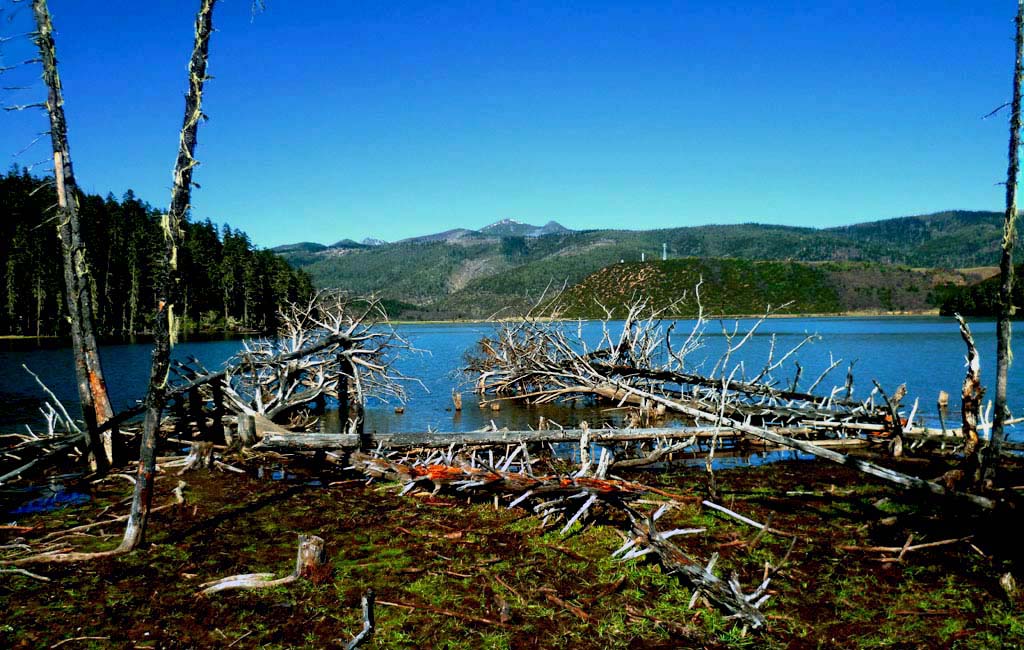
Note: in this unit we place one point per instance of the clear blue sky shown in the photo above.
(391, 119)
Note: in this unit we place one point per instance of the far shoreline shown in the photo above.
(60, 341)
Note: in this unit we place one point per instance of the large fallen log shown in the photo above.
(858, 464)
(439, 440)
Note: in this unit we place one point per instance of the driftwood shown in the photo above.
(440, 440)
(536, 360)
(48, 557)
(858, 464)
(345, 343)
(571, 499)
(297, 442)
(310, 562)
(62, 436)
(727, 595)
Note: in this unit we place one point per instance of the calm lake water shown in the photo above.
(925, 352)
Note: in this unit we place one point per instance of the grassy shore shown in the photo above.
(466, 575)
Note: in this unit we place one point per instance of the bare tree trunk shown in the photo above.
(164, 326)
(92, 389)
(1002, 412)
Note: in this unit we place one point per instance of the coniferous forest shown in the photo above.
(225, 282)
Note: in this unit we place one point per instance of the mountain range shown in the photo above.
(463, 273)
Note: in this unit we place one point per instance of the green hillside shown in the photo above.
(732, 287)
(982, 299)
(473, 274)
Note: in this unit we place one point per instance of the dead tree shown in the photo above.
(164, 325)
(570, 500)
(92, 389)
(350, 353)
(1005, 305)
(545, 361)
(539, 360)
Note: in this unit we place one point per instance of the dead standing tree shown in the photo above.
(164, 325)
(92, 389)
(1005, 305)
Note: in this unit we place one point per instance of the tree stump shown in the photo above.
(200, 456)
(310, 563)
(246, 430)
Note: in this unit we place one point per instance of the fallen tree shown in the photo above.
(538, 360)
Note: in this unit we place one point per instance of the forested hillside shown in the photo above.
(982, 299)
(225, 281)
(463, 273)
(735, 287)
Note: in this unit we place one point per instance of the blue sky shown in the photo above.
(391, 119)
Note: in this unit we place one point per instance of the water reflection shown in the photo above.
(925, 352)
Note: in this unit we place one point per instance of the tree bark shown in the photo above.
(164, 325)
(92, 389)
(1002, 412)
(971, 393)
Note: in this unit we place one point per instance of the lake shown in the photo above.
(925, 352)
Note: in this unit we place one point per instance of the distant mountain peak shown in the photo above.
(503, 224)
(346, 243)
(552, 228)
(514, 228)
(373, 241)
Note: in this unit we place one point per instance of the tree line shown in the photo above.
(225, 282)
(984, 298)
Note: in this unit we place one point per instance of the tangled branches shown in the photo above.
(332, 346)
(541, 360)
(572, 499)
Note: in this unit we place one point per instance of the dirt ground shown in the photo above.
(452, 573)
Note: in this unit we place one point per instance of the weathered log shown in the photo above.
(297, 442)
(438, 440)
(858, 464)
